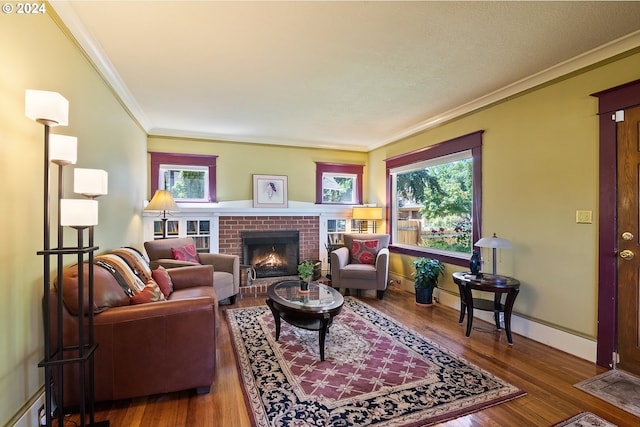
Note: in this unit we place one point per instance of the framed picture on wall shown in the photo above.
(270, 191)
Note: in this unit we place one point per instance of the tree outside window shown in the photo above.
(337, 188)
(441, 198)
(435, 195)
(338, 183)
(184, 183)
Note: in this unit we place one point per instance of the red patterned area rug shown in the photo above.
(376, 372)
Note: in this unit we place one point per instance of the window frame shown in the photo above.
(470, 142)
(175, 159)
(163, 168)
(339, 168)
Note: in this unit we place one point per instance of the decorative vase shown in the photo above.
(474, 262)
(304, 285)
(424, 296)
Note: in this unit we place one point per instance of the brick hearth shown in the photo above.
(230, 228)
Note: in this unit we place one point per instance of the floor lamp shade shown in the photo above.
(78, 212)
(90, 182)
(63, 149)
(46, 107)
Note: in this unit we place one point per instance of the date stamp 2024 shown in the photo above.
(34, 8)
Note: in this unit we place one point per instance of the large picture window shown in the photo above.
(189, 177)
(435, 196)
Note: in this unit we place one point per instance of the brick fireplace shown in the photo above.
(231, 228)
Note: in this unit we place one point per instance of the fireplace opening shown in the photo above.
(271, 253)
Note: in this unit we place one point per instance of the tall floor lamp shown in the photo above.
(52, 109)
(162, 201)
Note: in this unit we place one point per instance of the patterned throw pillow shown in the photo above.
(364, 251)
(186, 253)
(150, 293)
(162, 278)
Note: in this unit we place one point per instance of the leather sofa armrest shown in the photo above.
(170, 263)
(191, 276)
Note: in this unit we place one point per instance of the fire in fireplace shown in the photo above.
(271, 253)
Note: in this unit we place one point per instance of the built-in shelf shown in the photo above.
(182, 226)
(200, 221)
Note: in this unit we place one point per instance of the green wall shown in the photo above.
(540, 165)
(36, 54)
(238, 161)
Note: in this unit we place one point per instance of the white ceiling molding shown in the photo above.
(388, 84)
(614, 48)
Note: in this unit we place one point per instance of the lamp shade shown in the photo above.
(90, 182)
(46, 107)
(63, 149)
(78, 212)
(367, 213)
(162, 201)
(493, 242)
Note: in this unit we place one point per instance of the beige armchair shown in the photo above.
(371, 272)
(226, 268)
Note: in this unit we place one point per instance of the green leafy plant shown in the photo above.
(427, 273)
(305, 270)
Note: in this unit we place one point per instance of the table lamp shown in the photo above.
(494, 242)
(162, 201)
(366, 214)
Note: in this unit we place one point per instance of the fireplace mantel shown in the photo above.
(245, 208)
(228, 219)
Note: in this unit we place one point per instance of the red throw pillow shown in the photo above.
(364, 251)
(150, 293)
(162, 278)
(185, 253)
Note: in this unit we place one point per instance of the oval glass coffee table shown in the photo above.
(313, 310)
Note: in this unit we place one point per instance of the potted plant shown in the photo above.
(426, 276)
(305, 273)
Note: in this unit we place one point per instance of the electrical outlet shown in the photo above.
(42, 416)
(584, 217)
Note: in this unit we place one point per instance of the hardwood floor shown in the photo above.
(546, 374)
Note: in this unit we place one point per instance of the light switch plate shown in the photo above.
(584, 217)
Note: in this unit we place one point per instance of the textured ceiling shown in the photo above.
(336, 74)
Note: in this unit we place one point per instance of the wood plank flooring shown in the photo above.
(546, 374)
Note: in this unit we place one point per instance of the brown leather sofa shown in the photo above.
(226, 268)
(144, 349)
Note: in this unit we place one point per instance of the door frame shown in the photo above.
(609, 101)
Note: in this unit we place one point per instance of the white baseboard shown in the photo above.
(578, 346)
(31, 417)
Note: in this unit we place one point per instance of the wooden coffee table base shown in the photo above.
(320, 325)
(313, 318)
